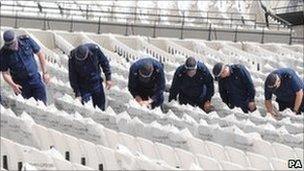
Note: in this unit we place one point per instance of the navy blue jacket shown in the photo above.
(290, 84)
(156, 85)
(192, 88)
(21, 63)
(86, 74)
(237, 89)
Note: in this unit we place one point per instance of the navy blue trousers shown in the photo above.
(97, 95)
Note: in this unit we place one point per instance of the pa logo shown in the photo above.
(294, 163)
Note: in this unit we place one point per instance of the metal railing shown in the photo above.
(274, 16)
(157, 17)
(289, 9)
(131, 20)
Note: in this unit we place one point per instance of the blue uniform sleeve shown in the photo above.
(3, 62)
(132, 86)
(161, 84)
(267, 93)
(223, 93)
(73, 78)
(104, 63)
(296, 82)
(35, 47)
(247, 81)
(175, 86)
(208, 80)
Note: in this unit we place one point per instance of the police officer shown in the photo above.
(19, 68)
(147, 82)
(235, 86)
(288, 88)
(85, 74)
(193, 83)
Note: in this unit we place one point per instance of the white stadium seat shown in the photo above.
(75, 154)
(230, 166)
(259, 161)
(91, 158)
(208, 163)
(167, 154)
(68, 135)
(217, 151)
(112, 138)
(62, 164)
(147, 148)
(59, 142)
(186, 158)
(237, 156)
(299, 153)
(109, 158)
(44, 137)
(12, 153)
(283, 151)
(279, 164)
(198, 146)
(263, 148)
(129, 141)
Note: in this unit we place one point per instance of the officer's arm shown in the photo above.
(209, 84)
(223, 94)
(247, 81)
(132, 82)
(268, 103)
(104, 63)
(41, 56)
(161, 84)
(174, 89)
(5, 70)
(8, 78)
(296, 86)
(298, 101)
(73, 79)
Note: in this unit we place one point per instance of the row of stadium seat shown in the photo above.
(42, 136)
(112, 121)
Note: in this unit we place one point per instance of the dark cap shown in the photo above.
(217, 69)
(271, 80)
(82, 52)
(146, 69)
(9, 37)
(190, 63)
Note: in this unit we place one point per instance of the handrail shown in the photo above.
(117, 6)
(288, 9)
(168, 9)
(198, 23)
(268, 12)
(173, 18)
(284, 7)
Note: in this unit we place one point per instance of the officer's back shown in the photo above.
(141, 83)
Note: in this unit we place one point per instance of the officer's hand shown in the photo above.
(275, 114)
(208, 107)
(17, 89)
(138, 99)
(79, 98)
(252, 106)
(146, 103)
(46, 78)
(296, 111)
(109, 84)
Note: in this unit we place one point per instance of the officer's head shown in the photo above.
(191, 66)
(146, 71)
(10, 40)
(220, 71)
(273, 81)
(82, 52)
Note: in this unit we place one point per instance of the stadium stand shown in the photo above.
(66, 135)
